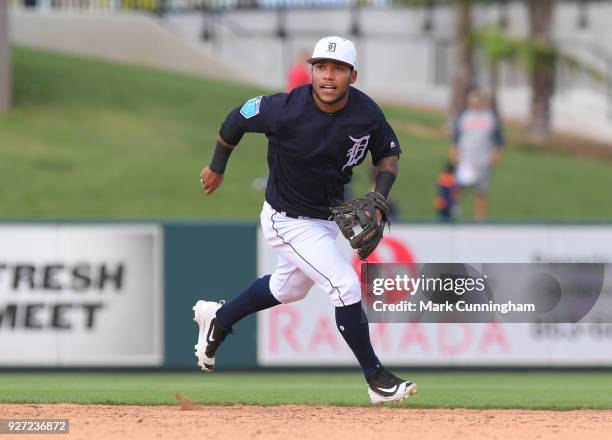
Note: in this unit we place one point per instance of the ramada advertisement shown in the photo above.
(76, 294)
(304, 333)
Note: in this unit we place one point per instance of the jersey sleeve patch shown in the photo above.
(251, 107)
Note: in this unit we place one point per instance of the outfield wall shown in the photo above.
(304, 333)
(120, 295)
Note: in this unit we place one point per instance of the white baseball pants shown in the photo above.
(307, 254)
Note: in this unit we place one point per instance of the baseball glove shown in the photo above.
(357, 222)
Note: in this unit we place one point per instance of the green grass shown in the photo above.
(535, 390)
(91, 139)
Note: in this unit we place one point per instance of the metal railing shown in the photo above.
(429, 6)
(90, 5)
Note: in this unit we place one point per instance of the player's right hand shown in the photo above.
(210, 180)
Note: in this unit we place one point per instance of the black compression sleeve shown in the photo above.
(220, 158)
(384, 182)
(230, 132)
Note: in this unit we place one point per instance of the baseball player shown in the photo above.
(317, 133)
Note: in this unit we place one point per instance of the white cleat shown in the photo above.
(386, 387)
(210, 334)
(404, 391)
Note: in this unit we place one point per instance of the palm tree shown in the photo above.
(542, 73)
(529, 54)
(496, 47)
(463, 76)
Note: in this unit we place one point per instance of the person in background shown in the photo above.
(477, 144)
(299, 74)
(447, 193)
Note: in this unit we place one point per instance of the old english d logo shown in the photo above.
(357, 151)
(331, 47)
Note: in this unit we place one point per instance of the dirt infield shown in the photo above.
(312, 422)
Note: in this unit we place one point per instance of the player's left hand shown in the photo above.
(210, 180)
(379, 216)
(355, 219)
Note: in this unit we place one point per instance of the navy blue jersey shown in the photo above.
(311, 153)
